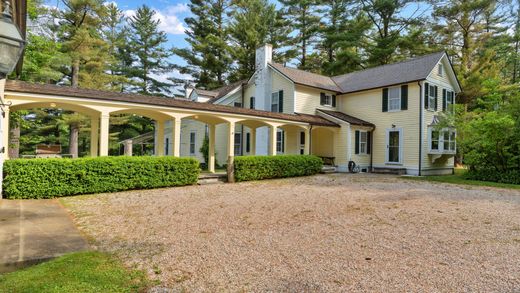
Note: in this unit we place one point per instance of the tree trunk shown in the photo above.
(73, 140)
(75, 73)
(14, 142)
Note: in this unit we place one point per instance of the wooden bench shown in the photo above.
(328, 161)
(50, 151)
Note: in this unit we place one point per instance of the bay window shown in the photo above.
(442, 141)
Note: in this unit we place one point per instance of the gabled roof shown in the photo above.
(414, 69)
(410, 70)
(70, 92)
(347, 118)
(222, 91)
(306, 78)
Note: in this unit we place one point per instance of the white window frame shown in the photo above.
(441, 140)
(280, 143)
(193, 143)
(328, 100)
(440, 70)
(401, 146)
(237, 143)
(431, 97)
(275, 96)
(363, 144)
(452, 101)
(301, 144)
(398, 98)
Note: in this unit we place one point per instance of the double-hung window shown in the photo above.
(449, 141)
(363, 142)
(277, 101)
(450, 100)
(432, 97)
(440, 70)
(327, 100)
(192, 142)
(280, 141)
(238, 144)
(394, 99)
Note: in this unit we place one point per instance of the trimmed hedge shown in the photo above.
(509, 177)
(47, 178)
(266, 167)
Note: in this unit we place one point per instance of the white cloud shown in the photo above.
(169, 20)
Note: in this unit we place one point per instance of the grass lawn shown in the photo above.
(76, 272)
(458, 178)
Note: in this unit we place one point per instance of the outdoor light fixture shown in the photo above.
(11, 40)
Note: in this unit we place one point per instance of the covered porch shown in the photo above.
(168, 116)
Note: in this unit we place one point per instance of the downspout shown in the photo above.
(242, 136)
(372, 149)
(310, 140)
(421, 101)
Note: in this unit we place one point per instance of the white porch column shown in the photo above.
(211, 151)
(252, 142)
(231, 152)
(128, 147)
(272, 140)
(231, 139)
(307, 146)
(176, 136)
(159, 137)
(94, 136)
(104, 135)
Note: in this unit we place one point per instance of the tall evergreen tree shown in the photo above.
(79, 30)
(254, 23)
(390, 25)
(115, 34)
(303, 15)
(147, 43)
(208, 57)
(465, 28)
(342, 31)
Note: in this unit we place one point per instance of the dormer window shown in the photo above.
(440, 70)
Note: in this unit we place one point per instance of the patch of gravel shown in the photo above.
(325, 233)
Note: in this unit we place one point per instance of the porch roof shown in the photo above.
(65, 91)
(347, 118)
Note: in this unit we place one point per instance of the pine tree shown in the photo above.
(303, 15)
(466, 31)
(254, 23)
(147, 43)
(79, 30)
(389, 28)
(342, 31)
(208, 57)
(115, 34)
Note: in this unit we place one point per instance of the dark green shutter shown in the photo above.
(357, 142)
(252, 102)
(322, 99)
(385, 100)
(280, 102)
(369, 141)
(426, 88)
(436, 98)
(404, 97)
(444, 97)
(333, 100)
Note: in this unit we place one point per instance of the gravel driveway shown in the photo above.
(325, 233)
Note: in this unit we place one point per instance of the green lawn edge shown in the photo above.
(458, 178)
(76, 272)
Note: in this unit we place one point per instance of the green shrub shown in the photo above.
(266, 167)
(510, 177)
(47, 178)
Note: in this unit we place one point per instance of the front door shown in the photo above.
(393, 146)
